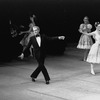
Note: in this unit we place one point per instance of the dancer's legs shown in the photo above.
(92, 69)
(86, 54)
(31, 53)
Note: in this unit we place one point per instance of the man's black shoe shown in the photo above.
(33, 79)
(47, 82)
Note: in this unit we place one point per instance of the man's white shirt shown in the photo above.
(38, 39)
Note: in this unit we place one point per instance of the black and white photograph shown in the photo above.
(49, 50)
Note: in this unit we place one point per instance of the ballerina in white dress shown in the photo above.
(85, 41)
(94, 53)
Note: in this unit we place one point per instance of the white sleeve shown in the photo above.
(92, 33)
(81, 28)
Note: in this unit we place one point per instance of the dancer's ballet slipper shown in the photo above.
(92, 72)
(21, 56)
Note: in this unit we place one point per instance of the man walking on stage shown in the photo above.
(39, 43)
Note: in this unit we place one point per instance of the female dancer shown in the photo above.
(85, 41)
(94, 54)
(28, 34)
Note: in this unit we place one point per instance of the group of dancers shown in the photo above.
(33, 39)
(92, 50)
(24, 34)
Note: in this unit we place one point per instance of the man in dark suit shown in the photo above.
(39, 43)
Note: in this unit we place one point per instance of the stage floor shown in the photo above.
(70, 79)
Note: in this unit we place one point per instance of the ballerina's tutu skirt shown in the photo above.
(85, 42)
(94, 54)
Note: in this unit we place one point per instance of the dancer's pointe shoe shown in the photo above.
(92, 72)
(21, 56)
(84, 59)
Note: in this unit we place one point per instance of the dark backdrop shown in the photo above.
(54, 17)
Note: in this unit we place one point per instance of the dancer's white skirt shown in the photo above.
(85, 42)
(94, 54)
